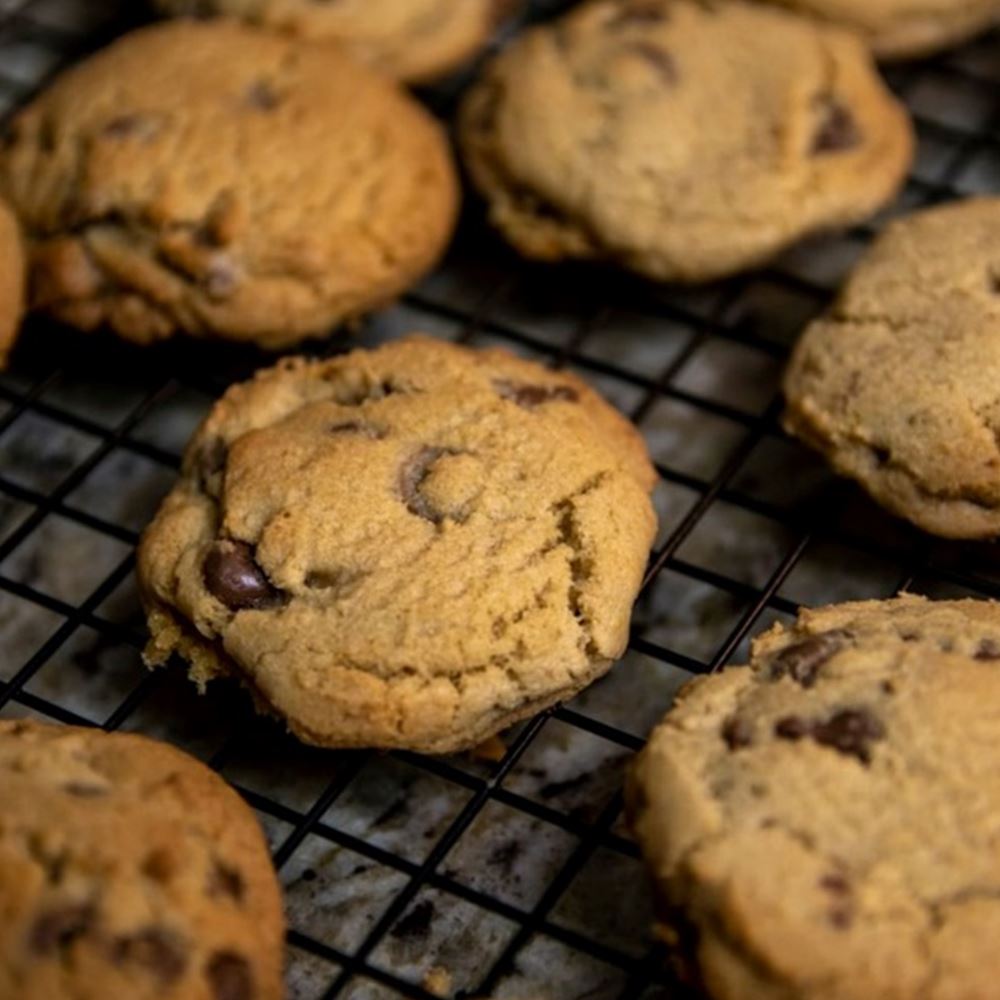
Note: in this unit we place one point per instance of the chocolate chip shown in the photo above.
(802, 660)
(83, 790)
(262, 95)
(229, 976)
(61, 926)
(133, 126)
(159, 865)
(737, 732)
(841, 917)
(837, 130)
(225, 881)
(155, 949)
(530, 396)
(791, 727)
(850, 731)
(232, 576)
(988, 649)
(836, 884)
(412, 477)
(882, 455)
(661, 60)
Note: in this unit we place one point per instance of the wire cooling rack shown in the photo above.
(408, 876)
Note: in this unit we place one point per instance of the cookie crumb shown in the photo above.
(437, 980)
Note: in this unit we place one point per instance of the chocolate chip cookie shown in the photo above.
(412, 40)
(128, 871)
(895, 385)
(414, 546)
(222, 180)
(823, 823)
(11, 282)
(898, 29)
(683, 139)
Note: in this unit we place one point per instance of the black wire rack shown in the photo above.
(465, 876)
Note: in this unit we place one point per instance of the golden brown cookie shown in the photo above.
(895, 385)
(409, 547)
(11, 282)
(411, 40)
(682, 139)
(129, 871)
(821, 825)
(221, 180)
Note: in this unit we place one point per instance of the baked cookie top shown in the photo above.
(896, 384)
(220, 179)
(682, 138)
(12, 280)
(906, 28)
(413, 546)
(129, 870)
(412, 40)
(823, 823)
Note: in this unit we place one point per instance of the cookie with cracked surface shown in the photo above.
(222, 180)
(896, 385)
(904, 29)
(821, 825)
(588, 136)
(11, 282)
(411, 40)
(128, 871)
(414, 546)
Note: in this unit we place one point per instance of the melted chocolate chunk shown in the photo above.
(838, 129)
(226, 881)
(792, 727)
(988, 649)
(263, 96)
(232, 576)
(850, 731)
(661, 60)
(61, 926)
(737, 732)
(159, 865)
(802, 660)
(530, 396)
(229, 976)
(83, 790)
(836, 884)
(156, 950)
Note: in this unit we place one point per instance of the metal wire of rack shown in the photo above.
(515, 877)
